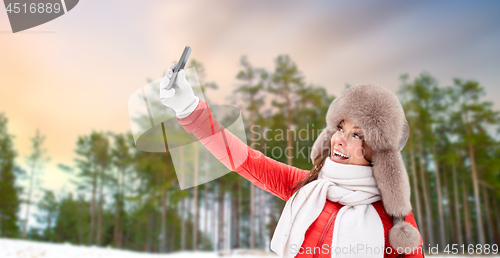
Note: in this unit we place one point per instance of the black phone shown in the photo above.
(180, 65)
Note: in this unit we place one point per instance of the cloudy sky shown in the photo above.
(75, 74)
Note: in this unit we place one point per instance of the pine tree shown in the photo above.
(9, 192)
(35, 162)
(47, 214)
(121, 160)
(253, 80)
(476, 114)
(68, 219)
(93, 162)
(100, 149)
(287, 81)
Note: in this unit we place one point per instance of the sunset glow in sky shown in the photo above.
(75, 74)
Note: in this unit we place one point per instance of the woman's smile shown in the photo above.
(339, 157)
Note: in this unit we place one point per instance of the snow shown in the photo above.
(14, 248)
(29, 249)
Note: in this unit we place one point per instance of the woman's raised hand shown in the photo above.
(180, 98)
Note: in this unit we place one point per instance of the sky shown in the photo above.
(75, 74)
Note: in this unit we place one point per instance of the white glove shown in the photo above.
(180, 98)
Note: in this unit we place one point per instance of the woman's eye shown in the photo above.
(357, 136)
(340, 128)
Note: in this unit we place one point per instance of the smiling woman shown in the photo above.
(354, 195)
(359, 152)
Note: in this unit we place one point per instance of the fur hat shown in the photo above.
(380, 116)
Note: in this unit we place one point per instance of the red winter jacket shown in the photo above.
(276, 178)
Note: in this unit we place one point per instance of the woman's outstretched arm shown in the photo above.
(266, 173)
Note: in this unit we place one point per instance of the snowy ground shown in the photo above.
(12, 248)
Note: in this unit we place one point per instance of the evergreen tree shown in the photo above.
(476, 114)
(253, 81)
(286, 82)
(121, 161)
(35, 162)
(9, 192)
(68, 219)
(47, 214)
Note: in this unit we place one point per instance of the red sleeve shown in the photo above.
(266, 173)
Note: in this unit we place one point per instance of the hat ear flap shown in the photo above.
(392, 180)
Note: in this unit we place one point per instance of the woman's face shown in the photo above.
(347, 145)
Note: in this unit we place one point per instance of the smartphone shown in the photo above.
(180, 65)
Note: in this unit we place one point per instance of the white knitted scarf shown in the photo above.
(358, 229)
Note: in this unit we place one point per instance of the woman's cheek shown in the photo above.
(358, 152)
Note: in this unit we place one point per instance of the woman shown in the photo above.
(355, 201)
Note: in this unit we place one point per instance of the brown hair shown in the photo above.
(314, 172)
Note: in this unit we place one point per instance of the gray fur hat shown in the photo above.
(380, 116)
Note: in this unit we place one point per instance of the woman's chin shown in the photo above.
(337, 159)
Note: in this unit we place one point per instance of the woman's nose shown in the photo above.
(339, 138)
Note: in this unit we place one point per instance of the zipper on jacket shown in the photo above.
(323, 234)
